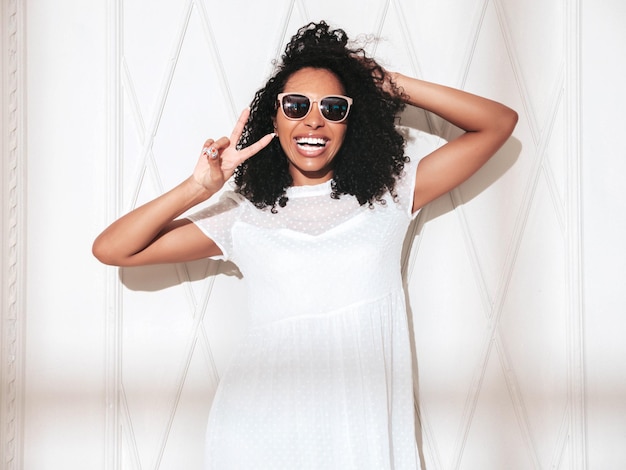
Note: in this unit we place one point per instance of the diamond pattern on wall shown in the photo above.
(535, 32)
(485, 266)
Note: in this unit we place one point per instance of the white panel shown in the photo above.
(604, 205)
(449, 331)
(64, 392)
(494, 440)
(497, 195)
(439, 35)
(536, 29)
(534, 330)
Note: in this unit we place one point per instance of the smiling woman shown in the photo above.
(323, 379)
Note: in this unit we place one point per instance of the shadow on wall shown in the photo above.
(163, 276)
(414, 119)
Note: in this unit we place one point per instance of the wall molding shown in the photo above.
(113, 369)
(574, 223)
(13, 181)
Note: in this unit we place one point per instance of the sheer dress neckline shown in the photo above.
(319, 189)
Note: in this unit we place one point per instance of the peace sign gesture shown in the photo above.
(219, 158)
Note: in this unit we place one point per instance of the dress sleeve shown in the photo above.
(217, 220)
(420, 145)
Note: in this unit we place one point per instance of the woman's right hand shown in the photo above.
(219, 159)
(152, 233)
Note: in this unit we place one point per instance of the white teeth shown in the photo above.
(310, 141)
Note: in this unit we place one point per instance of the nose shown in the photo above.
(314, 119)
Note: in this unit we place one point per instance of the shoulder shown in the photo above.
(225, 202)
(419, 145)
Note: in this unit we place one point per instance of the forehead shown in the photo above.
(315, 82)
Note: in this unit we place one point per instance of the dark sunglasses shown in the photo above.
(333, 108)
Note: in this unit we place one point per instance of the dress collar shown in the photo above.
(320, 189)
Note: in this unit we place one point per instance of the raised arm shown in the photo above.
(487, 125)
(152, 233)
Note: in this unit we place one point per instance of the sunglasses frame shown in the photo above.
(280, 97)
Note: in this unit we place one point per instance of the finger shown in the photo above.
(242, 155)
(208, 149)
(253, 149)
(211, 152)
(215, 175)
(214, 148)
(213, 158)
(222, 143)
(241, 122)
(207, 144)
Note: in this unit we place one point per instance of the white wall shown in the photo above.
(116, 369)
(64, 412)
(604, 208)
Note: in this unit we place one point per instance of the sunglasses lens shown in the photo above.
(295, 106)
(334, 108)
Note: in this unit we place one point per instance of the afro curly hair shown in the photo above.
(372, 155)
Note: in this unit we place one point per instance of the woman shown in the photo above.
(323, 196)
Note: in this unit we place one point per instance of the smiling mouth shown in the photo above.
(311, 143)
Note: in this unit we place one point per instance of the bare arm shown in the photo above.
(152, 233)
(487, 125)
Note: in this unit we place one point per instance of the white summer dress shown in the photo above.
(323, 379)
